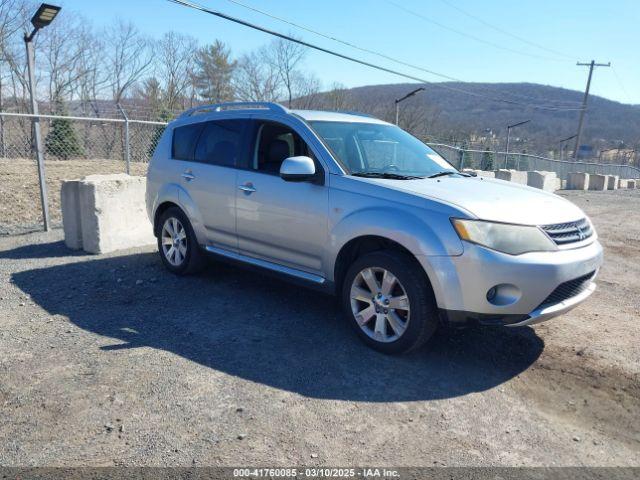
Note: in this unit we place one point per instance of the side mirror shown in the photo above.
(297, 169)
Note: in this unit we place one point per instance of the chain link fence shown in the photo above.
(74, 147)
(493, 160)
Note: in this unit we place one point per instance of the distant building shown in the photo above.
(616, 155)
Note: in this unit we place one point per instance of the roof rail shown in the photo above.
(220, 107)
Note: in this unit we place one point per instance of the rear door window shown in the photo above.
(221, 142)
(184, 141)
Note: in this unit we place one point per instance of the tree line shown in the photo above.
(87, 66)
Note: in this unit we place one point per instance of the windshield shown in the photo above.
(366, 148)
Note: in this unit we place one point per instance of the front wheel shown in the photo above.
(389, 302)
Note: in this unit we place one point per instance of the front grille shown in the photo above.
(568, 289)
(572, 232)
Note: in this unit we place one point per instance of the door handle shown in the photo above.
(188, 176)
(247, 188)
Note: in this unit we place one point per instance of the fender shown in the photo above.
(175, 193)
(429, 234)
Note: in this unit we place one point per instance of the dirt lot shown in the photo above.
(109, 360)
(20, 194)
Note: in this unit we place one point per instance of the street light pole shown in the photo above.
(509, 127)
(563, 145)
(43, 17)
(28, 40)
(410, 94)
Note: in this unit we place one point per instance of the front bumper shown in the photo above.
(461, 283)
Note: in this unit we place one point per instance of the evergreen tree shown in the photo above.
(487, 160)
(62, 141)
(213, 73)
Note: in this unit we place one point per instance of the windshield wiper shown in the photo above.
(442, 174)
(388, 175)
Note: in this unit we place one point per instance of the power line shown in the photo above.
(378, 54)
(505, 32)
(468, 35)
(622, 87)
(195, 6)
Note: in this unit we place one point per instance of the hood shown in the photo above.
(490, 199)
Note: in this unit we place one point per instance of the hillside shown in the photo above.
(445, 113)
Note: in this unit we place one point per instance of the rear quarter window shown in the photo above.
(184, 141)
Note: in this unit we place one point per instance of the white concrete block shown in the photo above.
(623, 183)
(612, 182)
(479, 173)
(547, 181)
(578, 181)
(113, 213)
(71, 219)
(512, 176)
(598, 182)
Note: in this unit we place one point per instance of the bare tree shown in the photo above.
(255, 79)
(92, 86)
(307, 91)
(175, 61)
(337, 97)
(286, 56)
(213, 73)
(128, 58)
(64, 47)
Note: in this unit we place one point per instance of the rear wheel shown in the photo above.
(389, 302)
(177, 244)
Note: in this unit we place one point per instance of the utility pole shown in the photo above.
(583, 110)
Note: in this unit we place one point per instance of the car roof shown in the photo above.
(326, 116)
(211, 111)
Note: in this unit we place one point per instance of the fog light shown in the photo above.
(491, 293)
(503, 294)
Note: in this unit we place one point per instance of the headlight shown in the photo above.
(512, 239)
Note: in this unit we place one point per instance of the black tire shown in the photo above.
(423, 319)
(194, 259)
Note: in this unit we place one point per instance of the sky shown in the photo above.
(498, 41)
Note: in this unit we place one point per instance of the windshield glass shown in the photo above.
(379, 148)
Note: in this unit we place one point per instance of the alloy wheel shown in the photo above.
(380, 304)
(174, 241)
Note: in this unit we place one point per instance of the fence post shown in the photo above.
(127, 149)
(461, 162)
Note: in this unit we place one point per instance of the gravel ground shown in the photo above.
(110, 360)
(20, 209)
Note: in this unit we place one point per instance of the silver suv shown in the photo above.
(358, 207)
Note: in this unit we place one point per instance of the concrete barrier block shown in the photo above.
(578, 181)
(631, 183)
(612, 182)
(623, 183)
(547, 181)
(512, 176)
(598, 182)
(71, 219)
(479, 173)
(113, 214)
